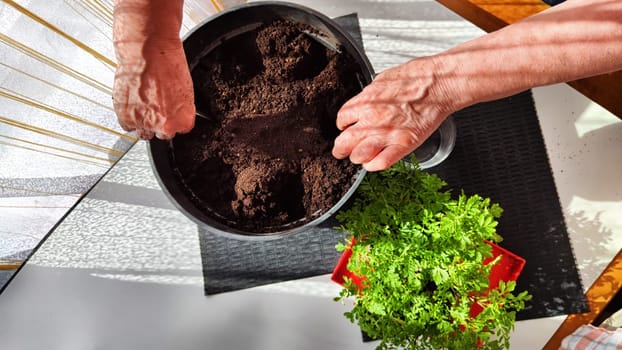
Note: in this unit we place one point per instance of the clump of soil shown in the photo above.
(265, 161)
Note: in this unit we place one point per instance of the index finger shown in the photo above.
(346, 116)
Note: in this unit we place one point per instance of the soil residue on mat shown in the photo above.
(265, 160)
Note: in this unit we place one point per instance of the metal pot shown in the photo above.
(213, 32)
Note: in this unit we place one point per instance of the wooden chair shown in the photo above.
(599, 295)
(8, 265)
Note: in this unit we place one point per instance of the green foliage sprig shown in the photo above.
(421, 253)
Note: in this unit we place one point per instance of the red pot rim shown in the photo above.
(508, 269)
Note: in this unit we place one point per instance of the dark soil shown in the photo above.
(265, 160)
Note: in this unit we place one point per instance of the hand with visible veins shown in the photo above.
(153, 91)
(404, 105)
(391, 117)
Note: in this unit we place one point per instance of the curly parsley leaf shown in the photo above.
(422, 254)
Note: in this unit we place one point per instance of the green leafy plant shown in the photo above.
(421, 256)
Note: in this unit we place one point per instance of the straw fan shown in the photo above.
(58, 131)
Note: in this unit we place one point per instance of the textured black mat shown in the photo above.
(232, 264)
(499, 153)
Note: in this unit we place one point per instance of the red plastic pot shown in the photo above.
(507, 269)
(341, 269)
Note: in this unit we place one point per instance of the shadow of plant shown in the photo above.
(593, 238)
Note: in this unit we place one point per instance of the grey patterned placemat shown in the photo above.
(500, 153)
(231, 264)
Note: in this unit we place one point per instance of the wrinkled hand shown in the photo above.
(153, 91)
(391, 117)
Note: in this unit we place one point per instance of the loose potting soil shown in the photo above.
(264, 159)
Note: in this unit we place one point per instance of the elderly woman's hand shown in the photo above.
(391, 117)
(153, 91)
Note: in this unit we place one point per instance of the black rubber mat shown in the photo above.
(231, 264)
(500, 154)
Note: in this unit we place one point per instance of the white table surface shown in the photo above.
(123, 270)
